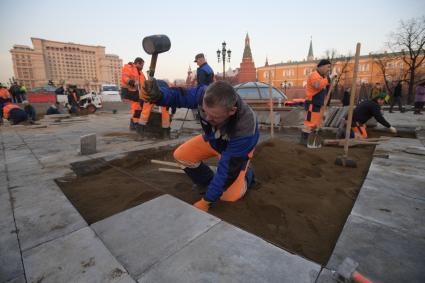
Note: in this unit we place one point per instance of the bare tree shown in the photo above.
(385, 61)
(410, 39)
(344, 61)
(331, 54)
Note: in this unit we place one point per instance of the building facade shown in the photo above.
(86, 66)
(294, 74)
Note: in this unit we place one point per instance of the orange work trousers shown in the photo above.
(136, 110)
(146, 112)
(312, 118)
(359, 131)
(195, 150)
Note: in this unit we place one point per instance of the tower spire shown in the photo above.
(310, 55)
(247, 51)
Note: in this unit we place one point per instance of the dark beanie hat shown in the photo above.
(324, 62)
(139, 60)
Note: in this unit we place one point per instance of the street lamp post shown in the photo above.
(223, 57)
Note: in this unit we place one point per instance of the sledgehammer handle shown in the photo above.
(152, 67)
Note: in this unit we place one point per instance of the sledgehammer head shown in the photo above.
(155, 44)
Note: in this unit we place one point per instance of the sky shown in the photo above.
(279, 30)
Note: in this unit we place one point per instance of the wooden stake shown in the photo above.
(172, 164)
(271, 104)
(352, 96)
(180, 171)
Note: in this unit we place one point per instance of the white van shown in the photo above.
(110, 92)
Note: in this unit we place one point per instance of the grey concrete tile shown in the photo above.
(393, 210)
(326, 276)
(384, 254)
(398, 144)
(34, 176)
(19, 279)
(77, 257)
(403, 163)
(141, 236)
(10, 255)
(43, 213)
(228, 254)
(403, 184)
(21, 156)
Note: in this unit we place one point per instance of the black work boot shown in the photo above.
(201, 175)
(165, 133)
(132, 126)
(304, 138)
(140, 129)
(201, 189)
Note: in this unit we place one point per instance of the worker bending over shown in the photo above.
(230, 134)
(366, 110)
(316, 91)
(13, 113)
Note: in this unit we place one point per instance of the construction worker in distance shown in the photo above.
(73, 100)
(4, 98)
(316, 91)
(4, 95)
(131, 80)
(13, 113)
(204, 73)
(366, 110)
(230, 133)
(146, 112)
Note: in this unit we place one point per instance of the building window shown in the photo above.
(307, 71)
(364, 68)
(288, 73)
(390, 65)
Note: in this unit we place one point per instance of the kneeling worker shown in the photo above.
(13, 113)
(230, 134)
(366, 110)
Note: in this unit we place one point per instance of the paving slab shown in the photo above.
(148, 233)
(399, 164)
(19, 279)
(391, 209)
(398, 144)
(228, 254)
(384, 254)
(43, 213)
(10, 255)
(77, 257)
(390, 180)
(326, 276)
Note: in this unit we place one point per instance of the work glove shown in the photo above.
(392, 130)
(131, 83)
(151, 91)
(202, 205)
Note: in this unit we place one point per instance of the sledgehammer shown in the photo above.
(153, 45)
(346, 273)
